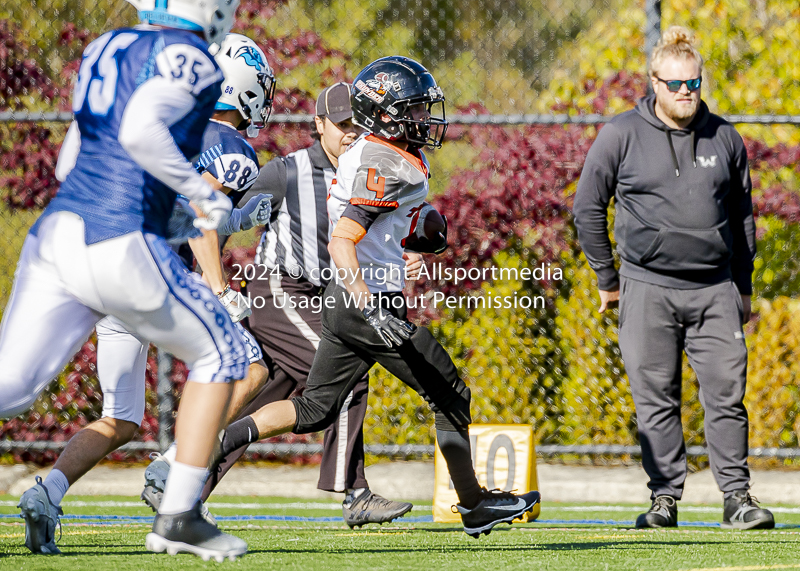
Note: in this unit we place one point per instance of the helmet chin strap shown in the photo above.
(252, 130)
(244, 123)
(247, 120)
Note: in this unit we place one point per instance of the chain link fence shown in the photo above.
(528, 84)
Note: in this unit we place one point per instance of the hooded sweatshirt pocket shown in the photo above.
(673, 249)
(686, 249)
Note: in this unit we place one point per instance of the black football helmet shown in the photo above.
(383, 94)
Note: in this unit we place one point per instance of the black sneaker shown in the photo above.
(495, 507)
(663, 513)
(372, 508)
(188, 532)
(743, 512)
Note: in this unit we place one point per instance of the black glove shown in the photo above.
(392, 330)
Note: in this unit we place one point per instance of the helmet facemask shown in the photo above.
(430, 131)
(255, 116)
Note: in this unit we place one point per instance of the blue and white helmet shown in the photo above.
(249, 84)
(212, 17)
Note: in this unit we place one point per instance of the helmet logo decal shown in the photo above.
(383, 83)
(368, 91)
(251, 57)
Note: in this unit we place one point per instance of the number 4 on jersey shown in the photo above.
(376, 184)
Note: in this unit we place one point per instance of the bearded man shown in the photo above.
(686, 238)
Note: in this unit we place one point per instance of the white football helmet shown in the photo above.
(249, 82)
(212, 17)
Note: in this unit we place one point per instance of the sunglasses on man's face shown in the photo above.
(674, 85)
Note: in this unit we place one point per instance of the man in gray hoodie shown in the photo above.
(686, 238)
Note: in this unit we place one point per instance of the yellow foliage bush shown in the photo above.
(560, 369)
(598, 408)
(750, 53)
(774, 374)
(509, 358)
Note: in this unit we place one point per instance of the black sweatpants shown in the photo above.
(289, 338)
(349, 347)
(656, 325)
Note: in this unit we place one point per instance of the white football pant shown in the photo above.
(122, 365)
(62, 287)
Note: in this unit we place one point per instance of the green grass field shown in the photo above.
(289, 534)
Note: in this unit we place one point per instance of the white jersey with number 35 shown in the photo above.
(380, 178)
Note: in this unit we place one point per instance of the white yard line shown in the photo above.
(211, 505)
(747, 568)
(694, 509)
(323, 506)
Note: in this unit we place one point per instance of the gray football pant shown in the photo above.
(656, 325)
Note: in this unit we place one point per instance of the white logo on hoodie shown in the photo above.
(708, 163)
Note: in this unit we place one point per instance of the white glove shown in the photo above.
(235, 303)
(180, 226)
(256, 212)
(217, 209)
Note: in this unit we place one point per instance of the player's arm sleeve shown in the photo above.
(271, 180)
(144, 133)
(596, 187)
(354, 222)
(68, 154)
(376, 187)
(743, 227)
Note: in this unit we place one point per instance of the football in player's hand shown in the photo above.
(434, 224)
(428, 232)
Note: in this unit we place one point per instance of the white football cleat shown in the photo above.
(189, 532)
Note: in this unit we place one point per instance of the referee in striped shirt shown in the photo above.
(292, 265)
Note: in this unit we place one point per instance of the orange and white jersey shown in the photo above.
(382, 179)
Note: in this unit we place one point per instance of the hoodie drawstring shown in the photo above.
(672, 150)
(694, 151)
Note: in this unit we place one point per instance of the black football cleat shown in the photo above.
(495, 507)
(372, 508)
(743, 512)
(662, 513)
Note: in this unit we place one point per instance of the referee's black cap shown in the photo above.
(334, 103)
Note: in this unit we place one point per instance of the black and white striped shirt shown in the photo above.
(297, 243)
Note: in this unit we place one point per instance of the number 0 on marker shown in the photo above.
(504, 457)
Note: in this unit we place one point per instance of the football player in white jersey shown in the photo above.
(381, 184)
(229, 163)
(143, 98)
